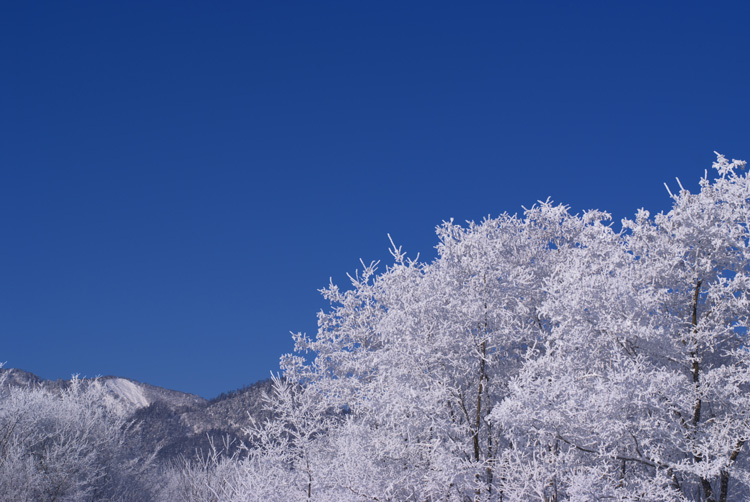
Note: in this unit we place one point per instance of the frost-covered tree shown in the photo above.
(546, 356)
(67, 445)
(215, 475)
(641, 390)
(418, 355)
(290, 448)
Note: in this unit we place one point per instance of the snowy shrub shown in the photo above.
(67, 445)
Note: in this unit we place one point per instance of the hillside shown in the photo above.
(172, 423)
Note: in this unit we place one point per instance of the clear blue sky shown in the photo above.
(180, 178)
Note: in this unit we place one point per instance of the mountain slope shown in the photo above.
(173, 424)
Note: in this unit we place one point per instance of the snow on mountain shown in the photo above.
(127, 391)
(174, 423)
(12, 377)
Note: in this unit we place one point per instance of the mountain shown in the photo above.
(172, 423)
(184, 430)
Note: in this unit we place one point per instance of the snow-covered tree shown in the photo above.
(546, 356)
(67, 445)
(641, 390)
(421, 353)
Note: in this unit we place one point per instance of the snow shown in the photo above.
(127, 391)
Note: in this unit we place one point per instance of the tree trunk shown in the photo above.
(478, 420)
(725, 473)
(705, 484)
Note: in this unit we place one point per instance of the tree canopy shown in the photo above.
(542, 356)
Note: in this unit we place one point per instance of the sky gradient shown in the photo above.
(180, 178)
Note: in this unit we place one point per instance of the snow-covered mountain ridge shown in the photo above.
(132, 393)
(127, 391)
(174, 423)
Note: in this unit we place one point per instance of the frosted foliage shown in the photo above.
(642, 385)
(539, 357)
(68, 445)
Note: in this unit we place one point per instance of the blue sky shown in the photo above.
(180, 178)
